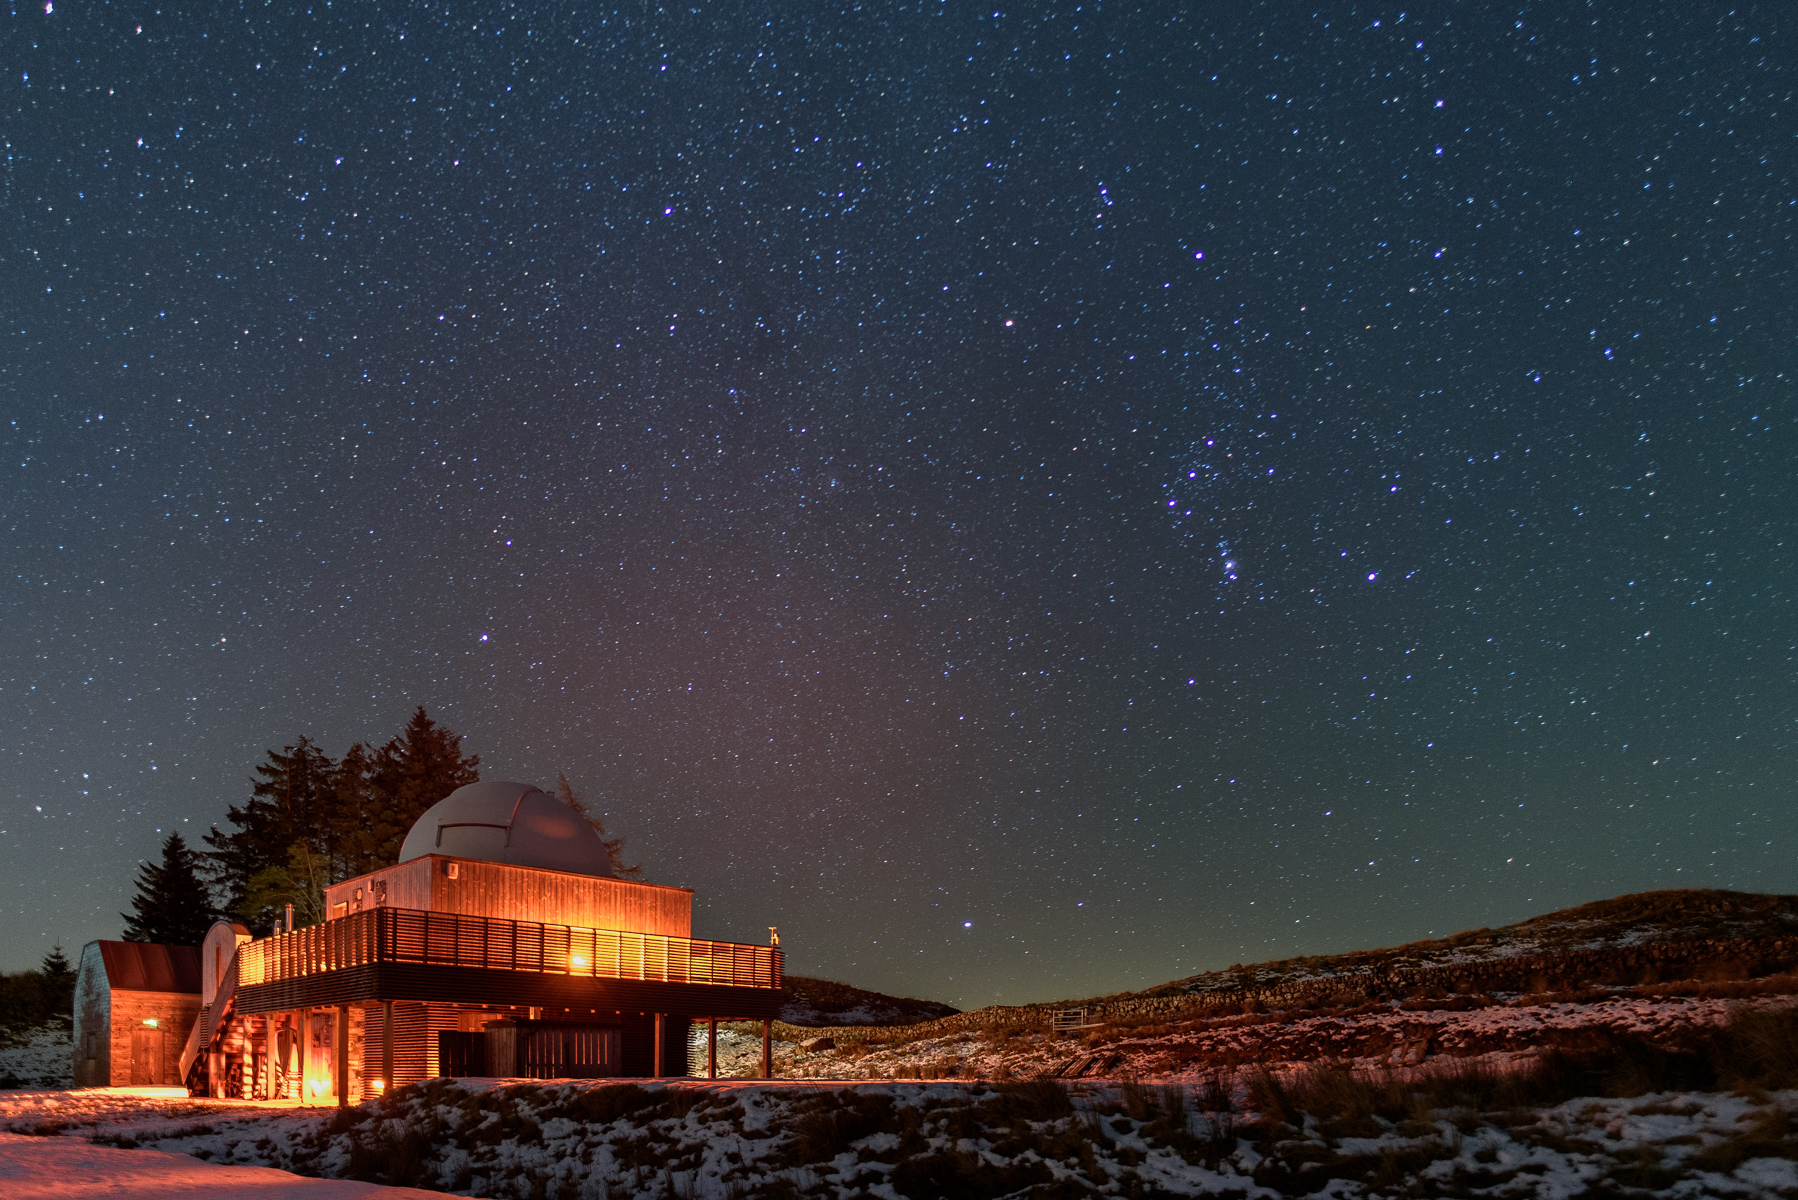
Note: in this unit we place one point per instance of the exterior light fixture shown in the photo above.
(578, 961)
(150, 1021)
(380, 1085)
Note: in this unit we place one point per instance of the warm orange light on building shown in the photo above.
(578, 961)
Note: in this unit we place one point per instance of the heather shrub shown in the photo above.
(1759, 1049)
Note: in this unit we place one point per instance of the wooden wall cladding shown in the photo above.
(93, 1022)
(113, 1044)
(488, 889)
(475, 986)
(140, 1053)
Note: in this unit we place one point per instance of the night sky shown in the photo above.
(1032, 500)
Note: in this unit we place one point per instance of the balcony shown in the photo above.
(400, 936)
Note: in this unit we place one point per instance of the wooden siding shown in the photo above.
(500, 890)
(416, 1026)
(476, 986)
(93, 1020)
(396, 935)
(405, 886)
(110, 1026)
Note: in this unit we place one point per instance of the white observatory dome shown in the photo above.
(515, 823)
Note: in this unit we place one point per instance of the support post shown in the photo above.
(386, 1046)
(767, 1048)
(343, 1056)
(267, 1083)
(304, 1017)
(711, 1048)
(661, 1040)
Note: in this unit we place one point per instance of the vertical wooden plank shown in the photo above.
(386, 1045)
(304, 1016)
(343, 1056)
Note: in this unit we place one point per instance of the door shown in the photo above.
(146, 1057)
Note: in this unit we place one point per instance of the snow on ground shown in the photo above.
(1374, 1036)
(44, 1058)
(890, 1139)
(40, 1168)
(739, 1054)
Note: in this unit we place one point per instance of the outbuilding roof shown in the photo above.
(150, 967)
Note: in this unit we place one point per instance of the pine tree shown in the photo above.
(614, 846)
(311, 822)
(289, 803)
(171, 905)
(408, 775)
(56, 965)
(56, 982)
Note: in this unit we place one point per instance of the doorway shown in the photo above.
(146, 1057)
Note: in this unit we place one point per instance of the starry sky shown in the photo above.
(1032, 500)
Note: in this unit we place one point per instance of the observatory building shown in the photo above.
(500, 944)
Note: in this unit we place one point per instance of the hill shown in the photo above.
(1646, 939)
(814, 1002)
(1666, 918)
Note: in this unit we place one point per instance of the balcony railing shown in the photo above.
(403, 935)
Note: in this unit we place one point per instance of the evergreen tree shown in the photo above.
(409, 774)
(56, 965)
(614, 846)
(56, 981)
(311, 822)
(172, 904)
(288, 804)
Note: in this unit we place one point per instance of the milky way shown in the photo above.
(1029, 500)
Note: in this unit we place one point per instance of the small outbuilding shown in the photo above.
(135, 1003)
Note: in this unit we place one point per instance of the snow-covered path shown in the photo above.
(64, 1168)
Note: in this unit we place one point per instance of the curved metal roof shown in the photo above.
(515, 823)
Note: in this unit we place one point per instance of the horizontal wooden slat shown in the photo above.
(399, 935)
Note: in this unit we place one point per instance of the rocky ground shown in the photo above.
(928, 1141)
(1641, 1046)
(1367, 1037)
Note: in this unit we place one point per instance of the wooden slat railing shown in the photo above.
(403, 935)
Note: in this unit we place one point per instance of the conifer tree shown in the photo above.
(56, 980)
(172, 904)
(409, 774)
(311, 822)
(288, 804)
(56, 964)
